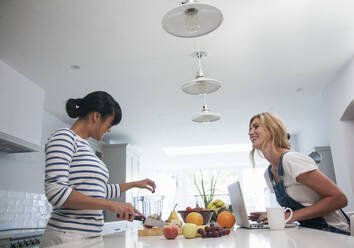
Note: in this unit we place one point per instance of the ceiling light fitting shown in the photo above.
(192, 19)
(201, 84)
(212, 149)
(206, 115)
(75, 67)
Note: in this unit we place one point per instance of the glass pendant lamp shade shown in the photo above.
(192, 20)
(201, 85)
(206, 116)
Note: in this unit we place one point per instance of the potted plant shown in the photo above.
(207, 194)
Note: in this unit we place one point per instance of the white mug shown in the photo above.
(276, 217)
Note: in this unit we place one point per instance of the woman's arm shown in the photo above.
(143, 184)
(78, 200)
(332, 198)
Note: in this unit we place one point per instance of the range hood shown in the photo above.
(11, 144)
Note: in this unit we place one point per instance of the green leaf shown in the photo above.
(207, 196)
(195, 183)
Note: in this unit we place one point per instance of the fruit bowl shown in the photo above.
(207, 214)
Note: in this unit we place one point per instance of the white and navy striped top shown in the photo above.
(71, 164)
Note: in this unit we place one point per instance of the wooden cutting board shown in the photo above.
(155, 231)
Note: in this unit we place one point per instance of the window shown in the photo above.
(178, 187)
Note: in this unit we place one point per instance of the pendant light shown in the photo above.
(206, 115)
(192, 19)
(201, 84)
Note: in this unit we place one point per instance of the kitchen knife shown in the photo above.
(149, 221)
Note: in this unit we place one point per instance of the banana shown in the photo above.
(217, 204)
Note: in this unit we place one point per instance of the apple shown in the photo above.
(170, 231)
(190, 230)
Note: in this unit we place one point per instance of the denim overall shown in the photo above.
(286, 201)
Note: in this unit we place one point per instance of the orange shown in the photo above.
(226, 219)
(195, 218)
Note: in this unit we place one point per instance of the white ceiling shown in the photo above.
(262, 52)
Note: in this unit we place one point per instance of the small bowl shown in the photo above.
(207, 214)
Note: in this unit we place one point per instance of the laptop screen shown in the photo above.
(238, 204)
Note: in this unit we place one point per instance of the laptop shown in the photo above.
(240, 211)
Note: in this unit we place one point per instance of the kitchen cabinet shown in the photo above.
(123, 163)
(323, 157)
(22, 103)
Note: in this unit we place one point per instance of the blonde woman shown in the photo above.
(296, 180)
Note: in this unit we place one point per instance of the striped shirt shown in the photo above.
(71, 165)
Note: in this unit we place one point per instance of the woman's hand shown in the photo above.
(125, 211)
(146, 184)
(142, 184)
(258, 216)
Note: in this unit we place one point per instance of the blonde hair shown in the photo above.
(280, 137)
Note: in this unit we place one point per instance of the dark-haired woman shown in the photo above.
(76, 179)
(296, 180)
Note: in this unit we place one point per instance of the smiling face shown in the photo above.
(258, 134)
(102, 126)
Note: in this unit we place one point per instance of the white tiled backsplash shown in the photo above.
(23, 210)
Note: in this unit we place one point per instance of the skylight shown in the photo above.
(194, 150)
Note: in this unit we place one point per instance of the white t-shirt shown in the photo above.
(295, 164)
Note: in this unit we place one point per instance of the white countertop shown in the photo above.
(290, 238)
(21, 232)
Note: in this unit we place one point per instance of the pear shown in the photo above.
(173, 218)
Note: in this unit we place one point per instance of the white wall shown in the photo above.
(313, 131)
(337, 96)
(25, 172)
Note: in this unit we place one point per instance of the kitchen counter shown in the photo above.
(16, 233)
(290, 238)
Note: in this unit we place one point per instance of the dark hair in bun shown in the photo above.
(72, 107)
(97, 101)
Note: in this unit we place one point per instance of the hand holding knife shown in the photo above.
(148, 221)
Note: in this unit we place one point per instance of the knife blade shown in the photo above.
(152, 222)
(149, 221)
